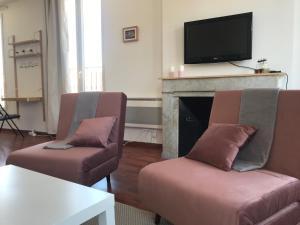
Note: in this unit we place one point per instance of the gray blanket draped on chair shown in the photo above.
(86, 107)
(259, 109)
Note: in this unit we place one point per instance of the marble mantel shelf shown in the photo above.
(224, 76)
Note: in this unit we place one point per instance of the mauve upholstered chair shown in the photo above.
(188, 192)
(83, 165)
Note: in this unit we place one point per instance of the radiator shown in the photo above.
(144, 113)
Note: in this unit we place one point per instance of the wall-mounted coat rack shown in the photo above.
(16, 55)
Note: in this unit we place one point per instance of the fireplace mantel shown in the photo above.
(224, 76)
(203, 86)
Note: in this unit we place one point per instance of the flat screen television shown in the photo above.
(219, 39)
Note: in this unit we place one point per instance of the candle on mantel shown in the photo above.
(172, 71)
(181, 71)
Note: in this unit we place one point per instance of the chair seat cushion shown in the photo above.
(192, 193)
(70, 164)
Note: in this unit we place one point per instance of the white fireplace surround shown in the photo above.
(174, 88)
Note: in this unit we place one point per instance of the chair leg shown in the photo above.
(108, 179)
(11, 127)
(157, 219)
(109, 188)
(1, 125)
(20, 132)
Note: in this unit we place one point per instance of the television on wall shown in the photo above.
(219, 39)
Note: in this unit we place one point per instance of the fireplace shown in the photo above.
(187, 104)
(194, 115)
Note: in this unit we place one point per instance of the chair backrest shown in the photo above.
(110, 104)
(285, 153)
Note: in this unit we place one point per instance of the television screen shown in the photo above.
(220, 39)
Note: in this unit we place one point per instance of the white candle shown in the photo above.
(181, 70)
(172, 71)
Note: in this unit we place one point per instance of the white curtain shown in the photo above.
(61, 71)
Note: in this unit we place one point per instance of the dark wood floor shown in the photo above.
(123, 181)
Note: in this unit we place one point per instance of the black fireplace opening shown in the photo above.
(194, 113)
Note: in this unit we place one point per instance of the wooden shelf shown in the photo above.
(25, 42)
(17, 99)
(26, 56)
(23, 99)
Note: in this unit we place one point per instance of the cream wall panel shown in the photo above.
(135, 67)
(273, 29)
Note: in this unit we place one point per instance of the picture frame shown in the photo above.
(130, 34)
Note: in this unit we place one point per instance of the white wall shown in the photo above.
(273, 31)
(295, 79)
(23, 19)
(133, 68)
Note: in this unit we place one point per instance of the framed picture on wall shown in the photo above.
(130, 34)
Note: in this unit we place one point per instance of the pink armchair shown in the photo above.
(83, 165)
(189, 192)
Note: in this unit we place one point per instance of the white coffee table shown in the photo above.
(30, 198)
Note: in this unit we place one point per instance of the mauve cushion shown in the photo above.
(93, 132)
(220, 144)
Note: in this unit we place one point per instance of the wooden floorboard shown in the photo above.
(123, 181)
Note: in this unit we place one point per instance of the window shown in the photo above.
(71, 43)
(92, 45)
(1, 61)
(84, 44)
